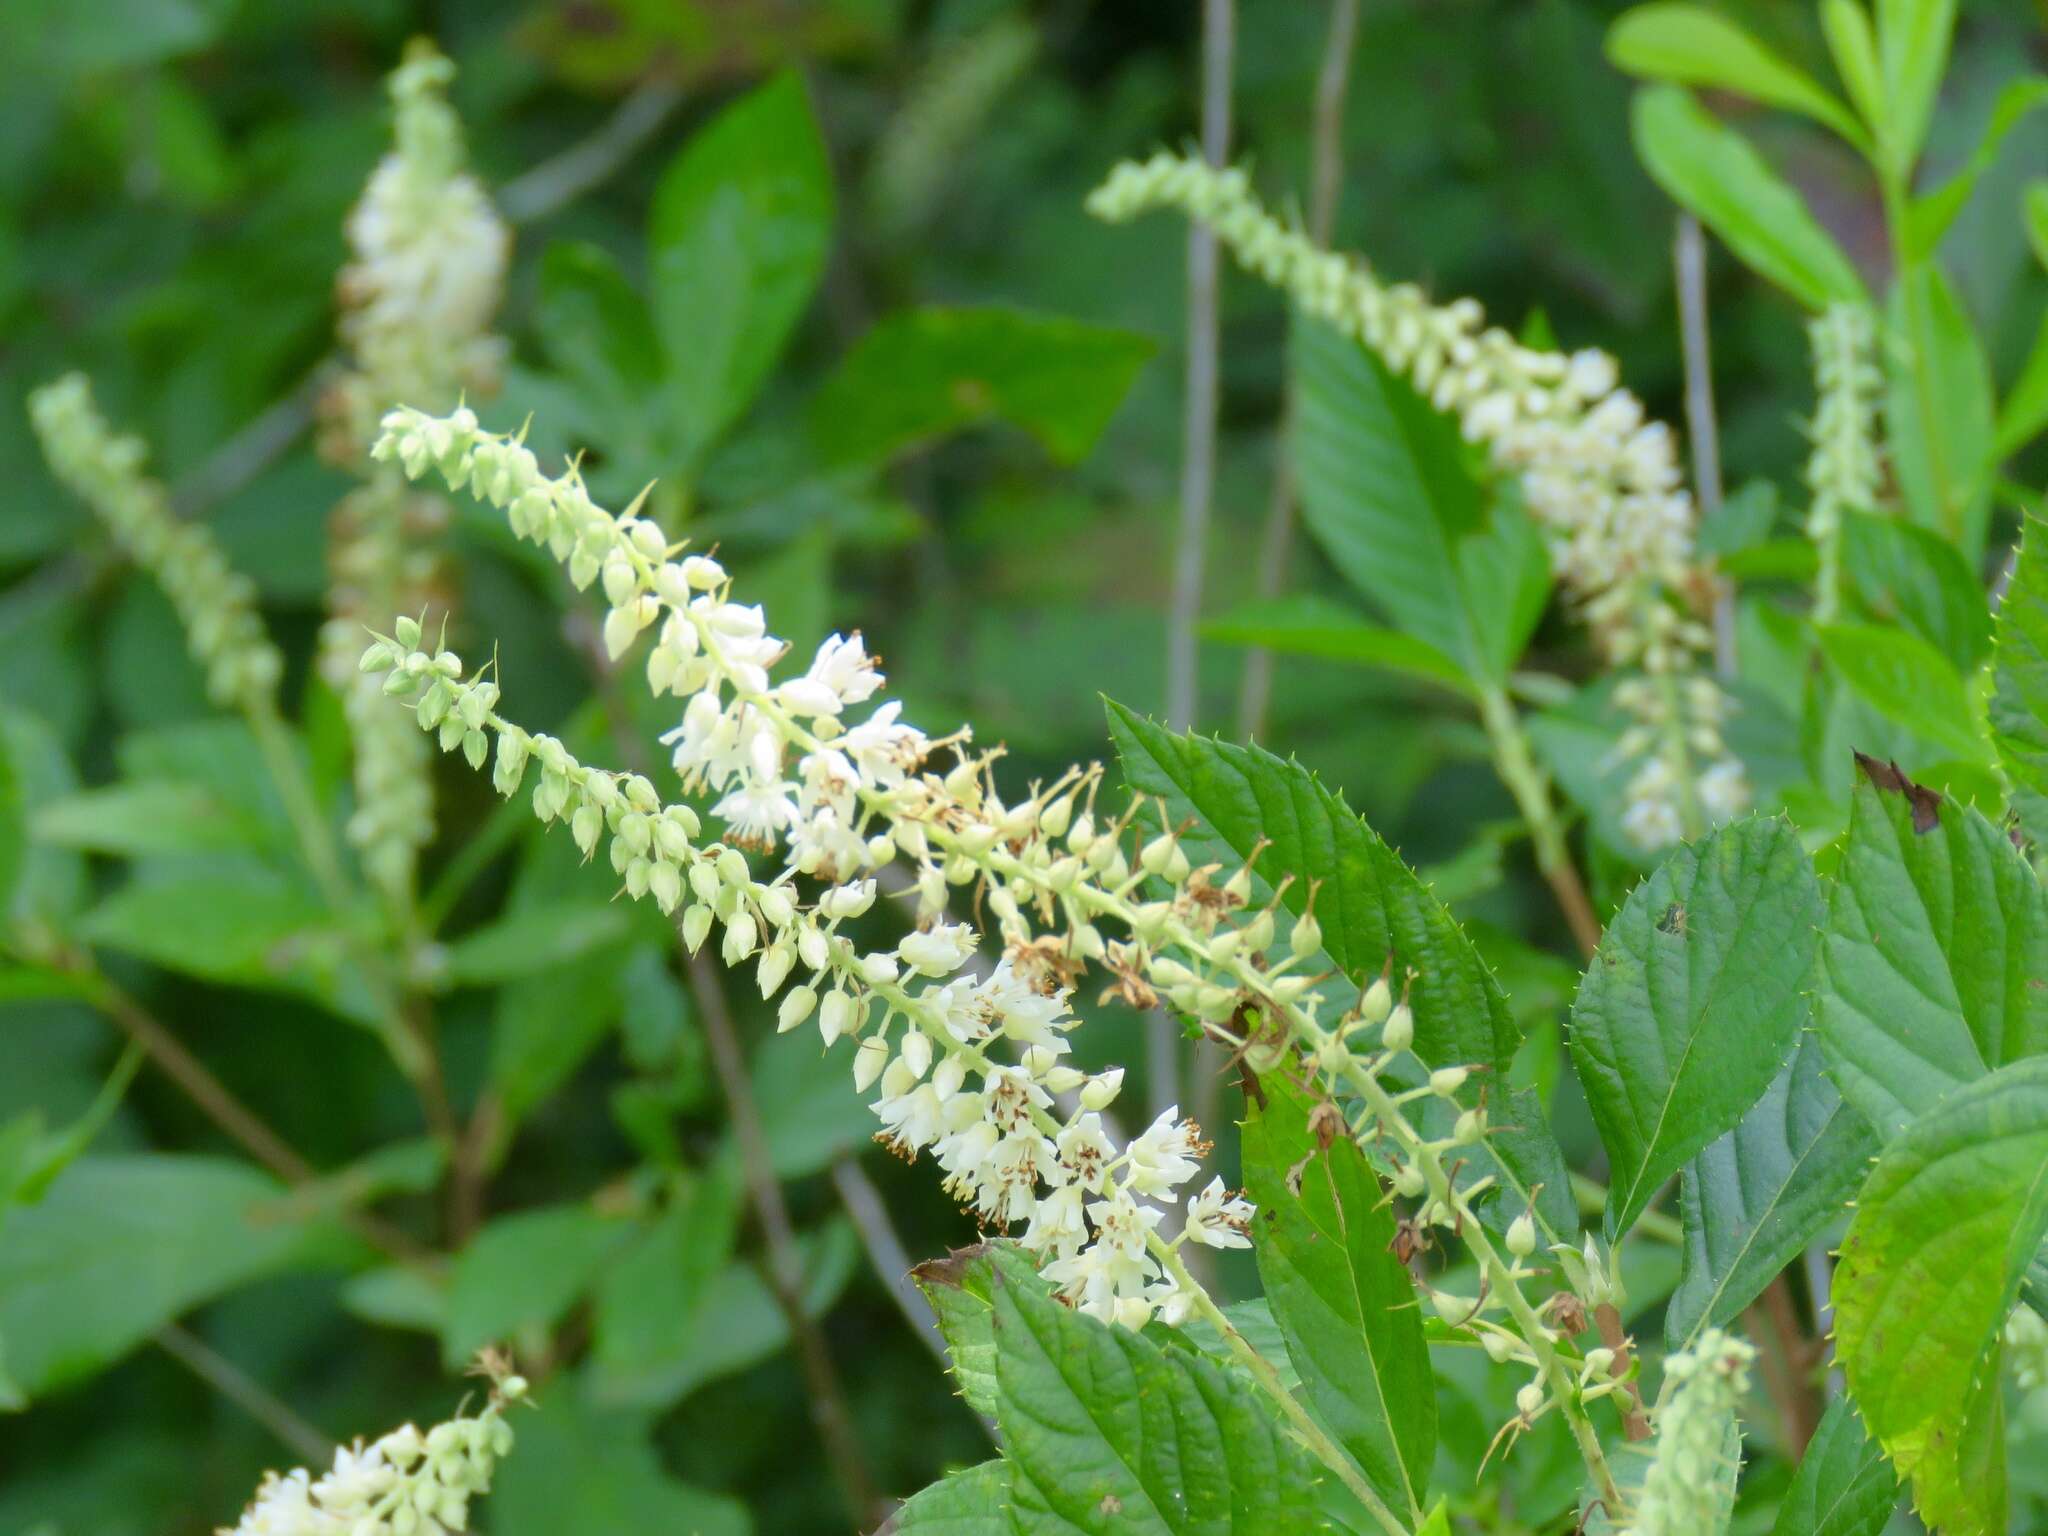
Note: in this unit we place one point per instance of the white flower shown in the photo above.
(1217, 1219)
(937, 951)
(844, 670)
(1165, 1156)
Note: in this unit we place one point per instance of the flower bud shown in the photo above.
(696, 925)
(868, 1061)
(1306, 938)
(835, 1015)
(1100, 1092)
(1522, 1236)
(1529, 1401)
(797, 1004)
(776, 961)
(1399, 1034)
(1378, 1001)
(1445, 1082)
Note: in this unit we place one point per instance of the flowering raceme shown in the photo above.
(1601, 479)
(1842, 471)
(404, 1483)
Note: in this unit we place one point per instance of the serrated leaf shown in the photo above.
(1713, 171)
(1694, 1002)
(1372, 909)
(1106, 1431)
(1306, 625)
(122, 1245)
(2019, 696)
(1931, 1267)
(737, 238)
(961, 1293)
(923, 373)
(1843, 1487)
(975, 1501)
(1934, 963)
(1344, 1303)
(1388, 491)
(1753, 1200)
(1907, 681)
(1689, 45)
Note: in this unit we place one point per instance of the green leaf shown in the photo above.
(1931, 215)
(1905, 575)
(1907, 681)
(1913, 39)
(1754, 1199)
(1388, 490)
(579, 1467)
(1688, 45)
(122, 1245)
(1372, 909)
(1943, 1232)
(921, 374)
(652, 1294)
(811, 1116)
(532, 940)
(737, 239)
(1843, 1487)
(1106, 1431)
(2034, 212)
(2019, 695)
(1694, 1002)
(961, 1292)
(975, 1501)
(151, 816)
(13, 829)
(2025, 409)
(1345, 1304)
(1712, 170)
(522, 1272)
(1939, 409)
(1306, 625)
(1934, 964)
(1846, 24)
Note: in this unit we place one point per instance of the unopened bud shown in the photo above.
(797, 1004)
(1522, 1236)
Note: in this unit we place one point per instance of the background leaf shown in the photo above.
(1843, 1487)
(1689, 45)
(1694, 1002)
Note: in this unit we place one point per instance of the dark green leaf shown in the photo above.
(737, 239)
(1690, 45)
(122, 1245)
(1694, 1002)
(1712, 170)
(1305, 625)
(1844, 1487)
(649, 1299)
(1108, 1432)
(1943, 1232)
(1388, 491)
(1902, 574)
(522, 1272)
(531, 940)
(974, 1501)
(147, 817)
(961, 1292)
(1345, 1304)
(1908, 681)
(1934, 966)
(1754, 1199)
(924, 373)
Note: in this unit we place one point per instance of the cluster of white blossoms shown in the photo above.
(1601, 479)
(215, 604)
(427, 270)
(1842, 471)
(975, 1072)
(403, 1484)
(1690, 1486)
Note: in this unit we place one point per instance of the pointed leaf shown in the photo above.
(1944, 1229)
(1940, 408)
(1908, 576)
(1713, 171)
(2019, 697)
(1907, 681)
(1934, 965)
(1913, 38)
(1754, 1199)
(1694, 1002)
(975, 1501)
(1690, 45)
(960, 1290)
(1107, 1431)
(1844, 1487)
(1344, 1303)
(1306, 625)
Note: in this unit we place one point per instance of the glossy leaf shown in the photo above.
(1344, 1303)
(2019, 696)
(923, 373)
(1388, 490)
(737, 239)
(1694, 1002)
(1712, 170)
(1934, 964)
(1843, 1487)
(1943, 1232)
(1107, 1430)
(1690, 45)
(1752, 1201)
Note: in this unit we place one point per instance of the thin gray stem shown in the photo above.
(233, 1383)
(1326, 178)
(1689, 258)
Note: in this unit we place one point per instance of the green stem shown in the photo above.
(1526, 781)
(1591, 1195)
